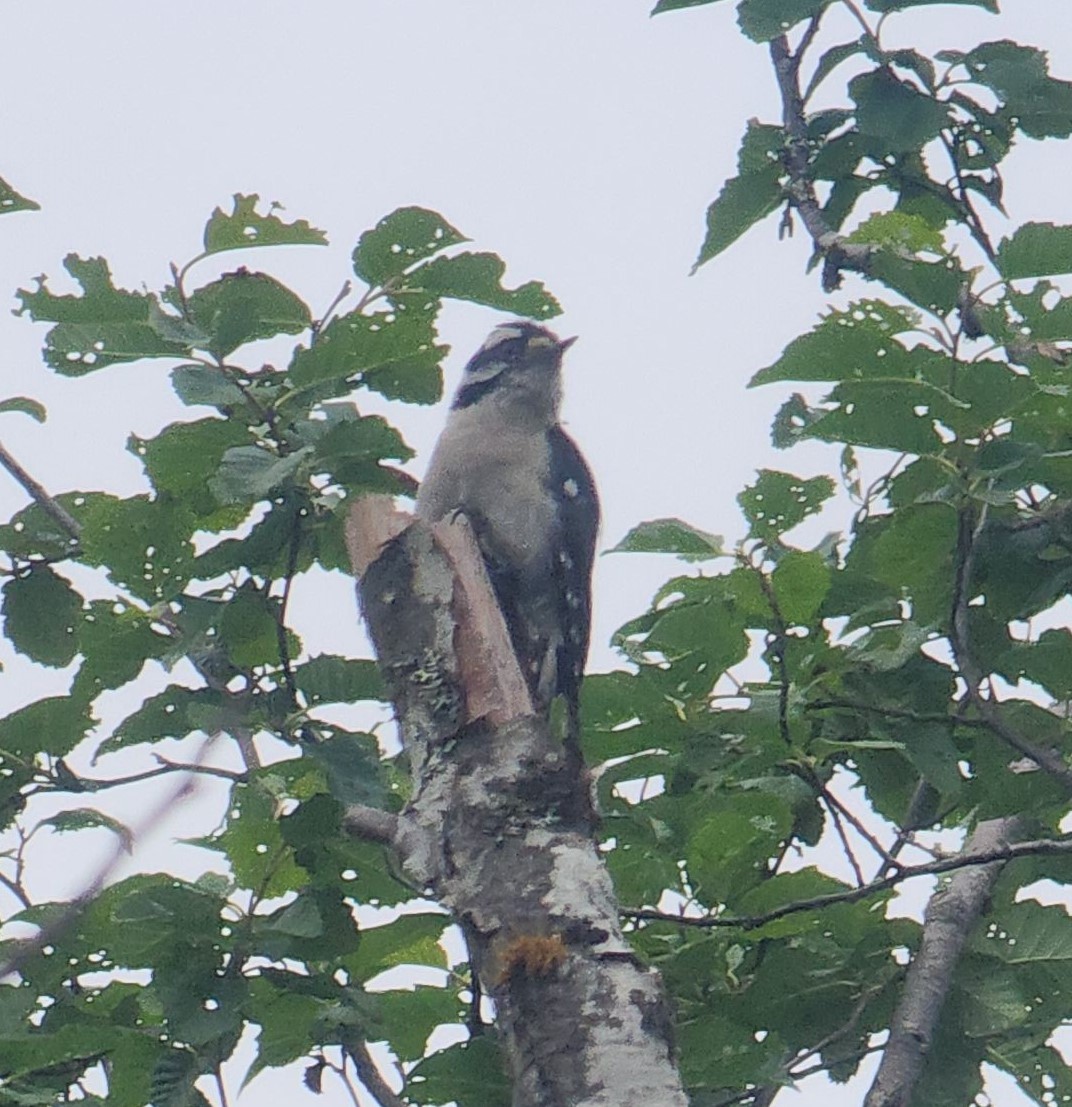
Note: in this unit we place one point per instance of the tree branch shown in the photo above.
(966, 859)
(837, 254)
(55, 510)
(951, 916)
(505, 839)
(369, 1075)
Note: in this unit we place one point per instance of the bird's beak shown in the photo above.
(566, 343)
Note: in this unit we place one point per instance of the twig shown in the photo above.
(1040, 848)
(47, 503)
(968, 530)
(837, 253)
(369, 1075)
(98, 784)
(891, 712)
(839, 827)
(49, 934)
(16, 889)
(950, 918)
(780, 640)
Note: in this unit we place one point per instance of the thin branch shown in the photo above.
(968, 530)
(780, 640)
(369, 1075)
(950, 918)
(839, 827)
(1044, 847)
(839, 810)
(16, 889)
(55, 510)
(837, 253)
(220, 1088)
(99, 784)
(892, 712)
(318, 326)
(49, 935)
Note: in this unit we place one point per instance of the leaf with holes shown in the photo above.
(401, 240)
(756, 191)
(42, 615)
(10, 200)
(894, 113)
(777, 502)
(244, 226)
(103, 326)
(854, 344)
(478, 278)
(762, 20)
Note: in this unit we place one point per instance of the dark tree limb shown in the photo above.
(950, 919)
(837, 253)
(499, 829)
(966, 859)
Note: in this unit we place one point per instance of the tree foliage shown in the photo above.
(920, 656)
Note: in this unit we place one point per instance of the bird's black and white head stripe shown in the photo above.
(513, 348)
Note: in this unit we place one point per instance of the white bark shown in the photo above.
(499, 829)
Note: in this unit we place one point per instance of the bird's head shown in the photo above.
(518, 366)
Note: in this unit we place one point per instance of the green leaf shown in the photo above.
(777, 502)
(205, 384)
(173, 713)
(785, 888)
(762, 20)
(830, 60)
(854, 344)
(248, 474)
(245, 227)
(752, 195)
(800, 581)
(409, 940)
(901, 5)
(241, 307)
(399, 241)
(249, 629)
(1030, 934)
(1035, 250)
(42, 613)
(899, 231)
(116, 640)
(672, 536)
(1040, 104)
(676, 5)
(331, 679)
(103, 326)
(351, 763)
(184, 457)
(254, 846)
(85, 818)
(53, 725)
(478, 279)
(894, 112)
(11, 201)
(471, 1073)
(144, 544)
(728, 852)
(390, 352)
(407, 1018)
(27, 406)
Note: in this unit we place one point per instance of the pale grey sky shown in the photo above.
(579, 139)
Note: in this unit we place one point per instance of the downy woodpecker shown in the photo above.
(504, 461)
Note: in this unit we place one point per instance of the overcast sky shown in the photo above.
(579, 139)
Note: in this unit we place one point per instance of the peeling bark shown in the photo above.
(499, 827)
(951, 916)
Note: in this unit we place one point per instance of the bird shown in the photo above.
(504, 461)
